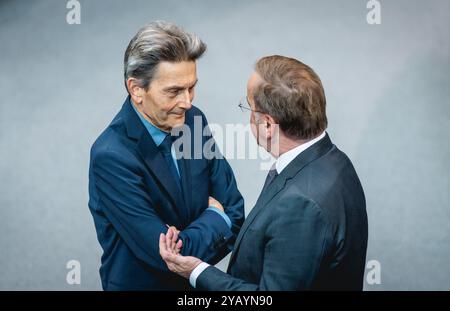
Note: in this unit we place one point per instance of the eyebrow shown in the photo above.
(178, 87)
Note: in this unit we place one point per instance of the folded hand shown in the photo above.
(182, 265)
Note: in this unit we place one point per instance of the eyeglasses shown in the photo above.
(245, 106)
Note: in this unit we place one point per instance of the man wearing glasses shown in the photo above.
(308, 229)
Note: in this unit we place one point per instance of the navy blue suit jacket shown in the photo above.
(132, 196)
(307, 231)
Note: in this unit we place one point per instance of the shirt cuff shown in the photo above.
(196, 272)
(224, 216)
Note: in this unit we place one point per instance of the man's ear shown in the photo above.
(270, 125)
(136, 92)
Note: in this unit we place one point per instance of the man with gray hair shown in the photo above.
(140, 187)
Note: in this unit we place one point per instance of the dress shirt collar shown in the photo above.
(287, 157)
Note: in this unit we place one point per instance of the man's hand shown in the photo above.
(215, 203)
(171, 240)
(182, 265)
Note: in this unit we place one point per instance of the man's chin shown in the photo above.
(178, 120)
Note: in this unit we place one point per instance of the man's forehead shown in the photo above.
(176, 73)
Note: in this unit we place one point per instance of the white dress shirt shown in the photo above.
(280, 164)
(287, 157)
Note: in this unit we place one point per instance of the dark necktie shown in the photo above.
(165, 148)
(270, 177)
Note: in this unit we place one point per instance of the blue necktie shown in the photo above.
(165, 148)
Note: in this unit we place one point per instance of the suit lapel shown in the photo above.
(152, 156)
(155, 161)
(263, 199)
(312, 153)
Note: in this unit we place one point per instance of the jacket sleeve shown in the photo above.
(129, 207)
(296, 242)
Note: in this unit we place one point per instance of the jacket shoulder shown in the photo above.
(111, 140)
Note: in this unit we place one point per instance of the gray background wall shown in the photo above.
(388, 105)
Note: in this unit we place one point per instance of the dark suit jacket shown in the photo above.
(132, 196)
(307, 231)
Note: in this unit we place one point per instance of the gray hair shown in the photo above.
(156, 42)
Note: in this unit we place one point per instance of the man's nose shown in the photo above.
(185, 102)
